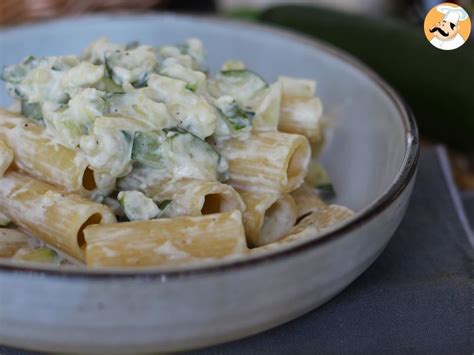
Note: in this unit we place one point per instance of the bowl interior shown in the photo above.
(369, 143)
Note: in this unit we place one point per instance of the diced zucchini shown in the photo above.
(32, 110)
(190, 153)
(71, 129)
(190, 110)
(131, 66)
(233, 115)
(41, 255)
(137, 105)
(180, 153)
(108, 147)
(95, 52)
(64, 63)
(194, 48)
(195, 80)
(17, 72)
(84, 75)
(242, 84)
(147, 149)
(108, 85)
(138, 207)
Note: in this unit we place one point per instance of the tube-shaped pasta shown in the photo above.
(268, 217)
(166, 242)
(307, 201)
(310, 227)
(302, 115)
(186, 196)
(38, 155)
(49, 213)
(193, 197)
(323, 219)
(292, 86)
(267, 162)
(6, 157)
(11, 241)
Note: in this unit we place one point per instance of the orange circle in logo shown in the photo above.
(447, 26)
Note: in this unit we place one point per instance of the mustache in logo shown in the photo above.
(434, 29)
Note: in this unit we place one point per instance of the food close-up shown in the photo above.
(236, 177)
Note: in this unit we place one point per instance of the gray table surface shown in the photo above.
(416, 298)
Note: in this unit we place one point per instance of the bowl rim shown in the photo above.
(377, 206)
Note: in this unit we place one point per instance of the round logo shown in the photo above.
(447, 26)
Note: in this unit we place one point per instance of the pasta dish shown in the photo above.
(130, 155)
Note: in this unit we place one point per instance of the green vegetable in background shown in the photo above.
(438, 85)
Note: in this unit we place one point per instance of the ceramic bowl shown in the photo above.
(372, 158)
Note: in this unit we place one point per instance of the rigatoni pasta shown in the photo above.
(11, 241)
(6, 157)
(135, 156)
(51, 214)
(307, 201)
(302, 115)
(168, 242)
(267, 162)
(40, 156)
(311, 226)
(268, 216)
(301, 112)
(187, 197)
(323, 219)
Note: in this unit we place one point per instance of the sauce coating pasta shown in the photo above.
(132, 155)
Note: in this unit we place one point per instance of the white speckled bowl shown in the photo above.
(372, 159)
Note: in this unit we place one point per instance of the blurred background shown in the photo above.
(358, 26)
(21, 11)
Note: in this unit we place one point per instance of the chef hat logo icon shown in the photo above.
(447, 26)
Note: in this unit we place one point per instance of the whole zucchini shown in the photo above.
(438, 85)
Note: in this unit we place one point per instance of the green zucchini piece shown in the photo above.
(17, 72)
(138, 207)
(242, 84)
(178, 151)
(191, 152)
(436, 84)
(132, 66)
(233, 115)
(32, 110)
(146, 149)
(41, 255)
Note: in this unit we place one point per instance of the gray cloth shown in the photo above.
(468, 200)
(416, 298)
